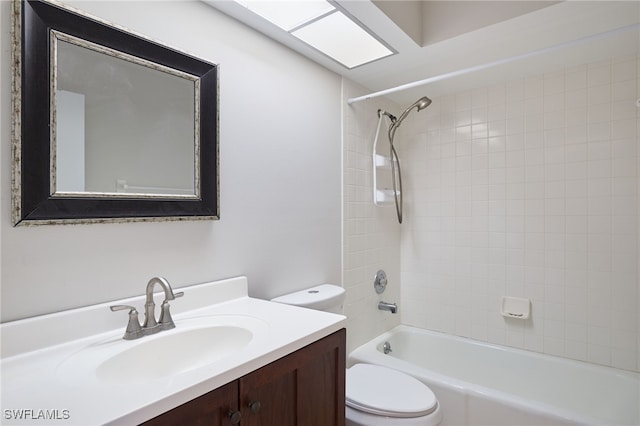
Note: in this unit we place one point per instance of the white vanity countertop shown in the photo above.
(39, 387)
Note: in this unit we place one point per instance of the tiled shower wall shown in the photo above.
(371, 235)
(528, 189)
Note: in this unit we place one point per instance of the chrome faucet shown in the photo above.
(385, 306)
(165, 322)
(150, 326)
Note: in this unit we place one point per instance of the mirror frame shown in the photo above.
(33, 203)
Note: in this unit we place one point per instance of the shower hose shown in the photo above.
(396, 171)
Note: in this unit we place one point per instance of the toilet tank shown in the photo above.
(324, 297)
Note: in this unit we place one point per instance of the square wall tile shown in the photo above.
(537, 196)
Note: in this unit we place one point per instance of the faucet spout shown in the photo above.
(385, 306)
(168, 291)
(150, 322)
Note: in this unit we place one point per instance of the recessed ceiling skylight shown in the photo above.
(342, 39)
(322, 26)
(288, 14)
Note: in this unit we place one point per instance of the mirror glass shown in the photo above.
(108, 126)
(123, 125)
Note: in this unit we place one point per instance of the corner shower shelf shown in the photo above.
(382, 161)
(382, 195)
(382, 171)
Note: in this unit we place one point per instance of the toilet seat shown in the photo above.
(386, 392)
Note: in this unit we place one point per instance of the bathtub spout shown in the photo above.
(391, 307)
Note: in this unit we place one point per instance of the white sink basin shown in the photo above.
(194, 343)
(171, 354)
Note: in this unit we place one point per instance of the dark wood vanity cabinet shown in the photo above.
(305, 388)
(215, 408)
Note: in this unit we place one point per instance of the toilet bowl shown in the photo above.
(375, 395)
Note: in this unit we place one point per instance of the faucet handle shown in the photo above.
(134, 330)
(115, 308)
(166, 321)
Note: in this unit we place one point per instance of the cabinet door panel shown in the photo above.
(321, 377)
(210, 409)
(317, 396)
(275, 392)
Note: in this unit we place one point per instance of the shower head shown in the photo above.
(420, 104)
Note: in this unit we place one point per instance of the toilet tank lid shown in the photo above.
(319, 297)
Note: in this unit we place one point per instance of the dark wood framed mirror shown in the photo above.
(109, 126)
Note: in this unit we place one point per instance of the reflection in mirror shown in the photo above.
(123, 125)
(108, 126)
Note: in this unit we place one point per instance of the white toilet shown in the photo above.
(375, 395)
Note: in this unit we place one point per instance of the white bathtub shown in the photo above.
(483, 384)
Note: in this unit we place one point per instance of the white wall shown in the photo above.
(280, 153)
(529, 188)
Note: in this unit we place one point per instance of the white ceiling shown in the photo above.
(438, 38)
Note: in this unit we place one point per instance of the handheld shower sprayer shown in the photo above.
(396, 172)
(420, 104)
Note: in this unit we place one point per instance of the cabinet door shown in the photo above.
(214, 408)
(321, 383)
(305, 388)
(268, 395)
